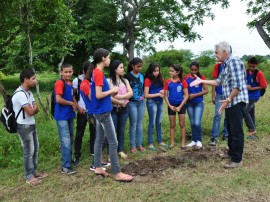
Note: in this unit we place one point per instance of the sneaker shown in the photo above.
(199, 144)
(164, 145)
(68, 171)
(105, 164)
(212, 142)
(232, 164)
(92, 168)
(152, 148)
(224, 156)
(77, 161)
(122, 155)
(192, 144)
(252, 137)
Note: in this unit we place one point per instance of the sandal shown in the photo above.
(33, 181)
(171, 146)
(142, 149)
(41, 175)
(133, 150)
(123, 177)
(103, 174)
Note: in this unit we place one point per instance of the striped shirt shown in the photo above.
(234, 76)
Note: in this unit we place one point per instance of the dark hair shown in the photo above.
(112, 74)
(133, 62)
(89, 71)
(98, 54)
(26, 74)
(253, 60)
(86, 65)
(149, 74)
(179, 69)
(196, 64)
(66, 65)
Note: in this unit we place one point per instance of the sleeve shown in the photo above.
(59, 87)
(85, 88)
(184, 84)
(21, 99)
(185, 77)
(166, 85)
(238, 74)
(75, 83)
(261, 79)
(98, 78)
(147, 82)
(215, 71)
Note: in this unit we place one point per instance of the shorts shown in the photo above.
(182, 110)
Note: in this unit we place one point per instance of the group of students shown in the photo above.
(106, 104)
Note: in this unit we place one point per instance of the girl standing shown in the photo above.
(136, 105)
(120, 102)
(153, 91)
(176, 96)
(195, 104)
(102, 106)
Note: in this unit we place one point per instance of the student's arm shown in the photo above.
(203, 92)
(167, 100)
(185, 90)
(31, 110)
(199, 81)
(100, 94)
(129, 93)
(62, 101)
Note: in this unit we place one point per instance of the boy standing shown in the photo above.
(26, 128)
(255, 81)
(64, 113)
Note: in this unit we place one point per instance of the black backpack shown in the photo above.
(77, 92)
(8, 117)
(254, 80)
(53, 99)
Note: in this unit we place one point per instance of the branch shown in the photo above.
(259, 26)
(12, 37)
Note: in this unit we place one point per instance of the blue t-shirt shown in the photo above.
(154, 88)
(103, 105)
(253, 94)
(136, 82)
(194, 89)
(175, 90)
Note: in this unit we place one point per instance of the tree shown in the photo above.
(146, 22)
(259, 10)
(206, 58)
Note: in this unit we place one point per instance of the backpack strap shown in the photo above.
(21, 110)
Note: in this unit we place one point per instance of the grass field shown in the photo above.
(184, 175)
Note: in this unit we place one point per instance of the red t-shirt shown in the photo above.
(59, 87)
(85, 87)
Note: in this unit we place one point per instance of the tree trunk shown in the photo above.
(59, 66)
(3, 91)
(131, 44)
(259, 26)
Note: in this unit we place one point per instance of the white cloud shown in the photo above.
(229, 25)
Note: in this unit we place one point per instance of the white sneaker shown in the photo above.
(192, 144)
(199, 144)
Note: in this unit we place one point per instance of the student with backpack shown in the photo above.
(256, 82)
(25, 107)
(64, 113)
(82, 118)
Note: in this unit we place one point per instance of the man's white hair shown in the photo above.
(224, 45)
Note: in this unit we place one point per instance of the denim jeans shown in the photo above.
(29, 140)
(105, 127)
(82, 120)
(119, 120)
(235, 116)
(155, 110)
(66, 134)
(136, 114)
(250, 115)
(217, 120)
(195, 112)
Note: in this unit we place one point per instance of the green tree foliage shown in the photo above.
(206, 58)
(147, 22)
(50, 26)
(259, 10)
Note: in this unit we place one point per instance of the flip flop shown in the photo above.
(103, 174)
(126, 178)
(33, 181)
(41, 175)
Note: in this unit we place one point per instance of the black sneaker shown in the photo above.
(92, 168)
(77, 161)
(213, 142)
(68, 171)
(105, 164)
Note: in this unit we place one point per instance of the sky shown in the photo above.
(229, 25)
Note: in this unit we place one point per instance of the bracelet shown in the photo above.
(228, 99)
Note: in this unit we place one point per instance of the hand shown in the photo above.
(81, 110)
(196, 82)
(177, 109)
(214, 100)
(161, 95)
(191, 96)
(172, 108)
(249, 87)
(224, 104)
(115, 90)
(123, 104)
(161, 92)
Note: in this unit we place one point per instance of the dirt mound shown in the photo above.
(187, 158)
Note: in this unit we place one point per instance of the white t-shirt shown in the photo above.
(75, 84)
(20, 100)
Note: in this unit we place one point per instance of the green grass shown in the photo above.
(208, 181)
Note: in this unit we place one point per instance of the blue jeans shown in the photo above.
(105, 127)
(250, 115)
(119, 120)
(235, 116)
(136, 114)
(217, 120)
(195, 112)
(155, 110)
(66, 134)
(29, 140)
